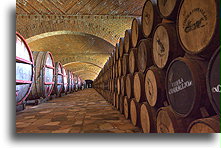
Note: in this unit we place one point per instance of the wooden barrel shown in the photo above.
(109, 85)
(117, 97)
(113, 71)
(115, 85)
(126, 107)
(150, 17)
(24, 69)
(121, 104)
(65, 82)
(148, 118)
(186, 87)
(144, 55)
(114, 56)
(135, 112)
(155, 86)
(213, 81)
(123, 85)
(116, 69)
(130, 86)
(58, 85)
(168, 9)
(139, 87)
(74, 82)
(117, 51)
(119, 70)
(198, 26)
(70, 77)
(205, 125)
(118, 85)
(168, 122)
(125, 64)
(121, 47)
(44, 75)
(127, 41)
(166, 46)
(133, 61)
(136, 32)
(114, 99)
(76, 87)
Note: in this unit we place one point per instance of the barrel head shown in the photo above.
(181, 89)
(198, 24)
(213, 81)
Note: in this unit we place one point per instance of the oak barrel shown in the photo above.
(168, 9)
(24, 69)
(155, 86)
(44, 75)
(118, 85)
(121, 47)
(70, 77)
(186, 87)
(120, 63)
(126, 107)
(58, 85)
(168, 122)
(136, 32)
(135, 112)
(117, 51)
(121, 104)
(73, 82)
(130, 86)
(116, 69)
(133, 61)
(139, 87)
(166, 46)
(144, 54)
(150, 17)
(127, 41)
(125, 64)
(213, 81)
(205, 125)
(123, 85)
(115, 85)
(117, 97)
(114, 99)
(65, 81)
(198, 26)
(148, 118)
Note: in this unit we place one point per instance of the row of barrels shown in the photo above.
(37, 76)
(164, 74)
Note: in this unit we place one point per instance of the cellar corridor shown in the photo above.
(84, 111)
(122, 66)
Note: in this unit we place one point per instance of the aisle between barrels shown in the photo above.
(85, 111)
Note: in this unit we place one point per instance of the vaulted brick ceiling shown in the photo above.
(80, 33)
(80, 7)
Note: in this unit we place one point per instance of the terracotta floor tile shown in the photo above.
(77, 112)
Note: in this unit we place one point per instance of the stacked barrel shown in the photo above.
(39, 78)
(164, 74)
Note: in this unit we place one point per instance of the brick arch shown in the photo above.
(83, 62)
(88, 75)
(66, 58)
(83, 67)
(109, 28)
(86, 59)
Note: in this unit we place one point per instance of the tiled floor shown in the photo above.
(85, 111)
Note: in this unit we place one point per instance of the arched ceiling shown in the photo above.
(81, 34)
(78, 52)
(80, 7)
